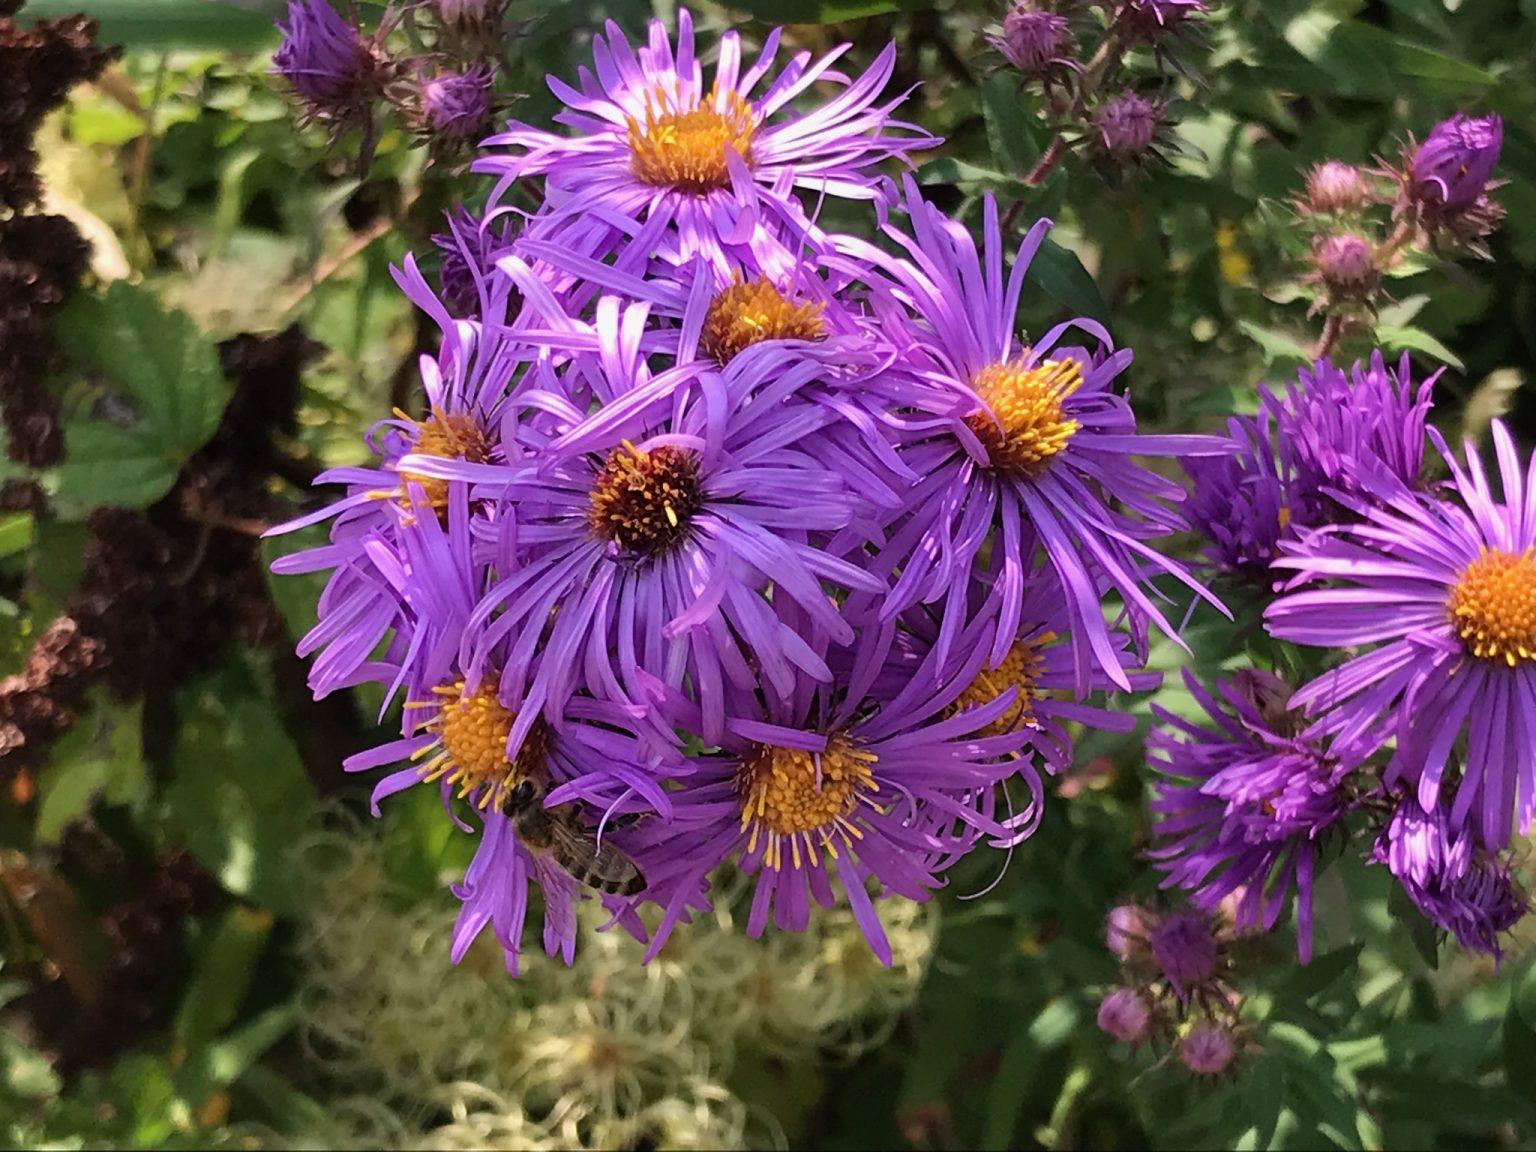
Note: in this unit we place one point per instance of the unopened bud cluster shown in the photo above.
(1361, 222)
(442, 87)
(1080, 64)
(1174, 993)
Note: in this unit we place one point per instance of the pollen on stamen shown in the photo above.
(471, 750)
(644, 500)
(1493, 606)
(747, 313)
(448, 436)
(1023, 426)
(1020, 669)
(802, 798)
(689, 150)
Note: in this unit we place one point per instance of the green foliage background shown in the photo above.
(212, 215)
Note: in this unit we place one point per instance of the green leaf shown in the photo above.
(295, 595)
(15, 533)
(222, 976)
(166, 369)
(1278, 347)
(102, 754)
(1059, 273)
(225, 1062)
(1397, 338)
(1009, 117)
(239, 796)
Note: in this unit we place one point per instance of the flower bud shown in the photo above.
(455, 104)
(327, 62)
(1127, 123)
(1124, 1015)
(1185, 949)
(1033, 38)
(1125, 929)
(1207, 1049)
(1453, 165)
(1335, 189)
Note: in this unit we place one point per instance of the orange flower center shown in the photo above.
(688, 150)
(1493, 606)
(1022, 426)
(744, 314)
(471, 749)
(1020, 669)
(643, 501)
(785, 797)
(448, 436)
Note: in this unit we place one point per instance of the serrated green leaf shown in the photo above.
(168, 371)
(111, 466)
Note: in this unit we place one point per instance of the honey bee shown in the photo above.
(558, 833)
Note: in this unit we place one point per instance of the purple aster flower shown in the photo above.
(1148, 21)
(1124, 1015)
(455, 105)
(666, 163)
(657, 536)
(1207, 1049)
(1444, 590)
(838, 784)
(1127, 124)
(1454, 164)
(1461, 888)
(466, 385)
(1351, 436)
(1184, 947)
(1022, 446)
(1335, 189)
(1034, 39)
(1240, 503)
(1345, 266)
(1243, 802)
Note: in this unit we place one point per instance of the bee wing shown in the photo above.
(589, 861)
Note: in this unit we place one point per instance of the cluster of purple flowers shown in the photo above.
(1076, 59)
(1362, 221)
(729, 538)
(1417, 729)
(1175, 992)
(443, 88)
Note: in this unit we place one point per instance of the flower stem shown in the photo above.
(1333, 328)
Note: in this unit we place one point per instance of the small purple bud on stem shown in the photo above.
(1184, 947)
(1345, 265)
(1207, 1049)
(1125, 930)
(1124, 1015)
(1033, 38)
(1454, 164)
(1336, 189)
(1127, 123)
(455, 104)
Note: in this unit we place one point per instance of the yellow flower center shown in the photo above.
(1493, 606)
(803, 797)
(643, 501)
(744, 314)
(448, 436)
(688, 150)
(1020, 669)
(1022, 426)
(471, 749)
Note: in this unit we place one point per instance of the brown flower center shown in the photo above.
(643, 501)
